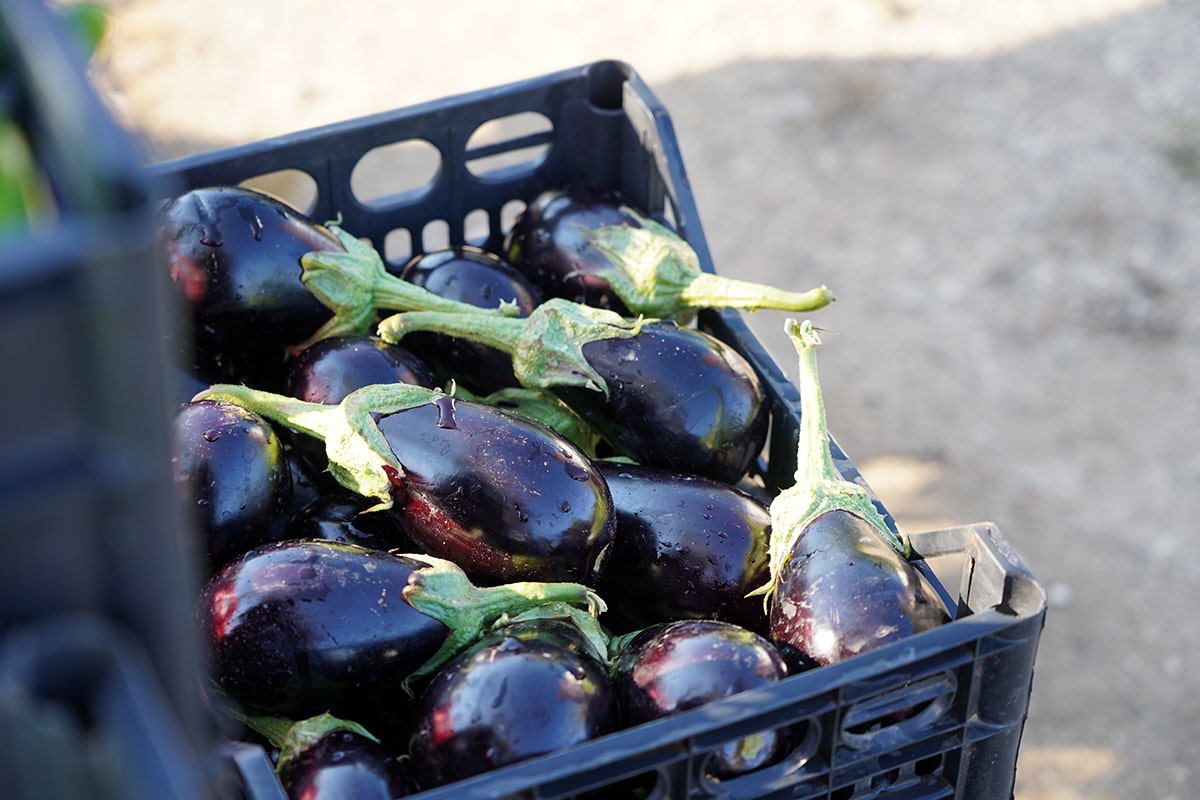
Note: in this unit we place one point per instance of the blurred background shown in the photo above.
(1004, 196)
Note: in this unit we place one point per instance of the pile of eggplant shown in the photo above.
(460, 514)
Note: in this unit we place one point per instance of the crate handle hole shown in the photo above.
(398, 248)
(510, 212)
(507, 147)
(785, 750)
(435, 236)
(477, 228)
(395, 174)
(293, 186)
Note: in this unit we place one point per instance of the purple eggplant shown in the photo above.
(329, 758)
(299, 627)
(332, 368)
(529, 688)
(328, 370)
(233, 255)
(548, 243)
(672, 667)
(474, 276)
(340, 517)
(841, 581)
(660, 394)
(232, 477)
(505, 497)
(588, 246)
(686, 547)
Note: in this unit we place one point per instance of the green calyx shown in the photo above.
(542, 406)
(819, 488)
(294, 737)
(355, 285)
(359, 455)
(444, 592)
(584, 621)
(657, 273)
(546, 347)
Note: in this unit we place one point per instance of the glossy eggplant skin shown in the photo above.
(505, 498)
(232, 477)
(686, 547)
(342, 765)
(302, 627)
(339, 517)
(328, 370)
(678, 399)
(483, 279)
(525, 690)
(547, 245)
(844, 590)
(233, 255)
(672, 667)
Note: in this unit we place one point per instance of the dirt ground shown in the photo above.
(1005, 197)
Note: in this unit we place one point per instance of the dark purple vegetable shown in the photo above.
(345, 764)
(668, 668)
(328, 370)
(329, 758)
(528, 689)
(548, 244)
(234, 258)
(588, 246)
(232, 477)
(340, 517)
(300, 627)
(660, 394)
(482, 279)
(841, 583)
(504, 497)
(686, 547)
(332, 368)
(547, 408)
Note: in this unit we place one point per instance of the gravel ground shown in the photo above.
(1004, 196)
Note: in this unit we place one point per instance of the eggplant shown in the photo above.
(671, 667)
(325, 757)
(482, 279)
(232, 478)
(660, 394)
(505, 497)
(299, 627)
(332, 368)
(233, 255)
(355, 285)
(328, 370)
(841, 580)
(527, 689)
(548, 244)
(686, 547)
(339, 517)
(587, 245)
(547, 408)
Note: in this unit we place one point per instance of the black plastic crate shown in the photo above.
(491, 151)
(88, 520)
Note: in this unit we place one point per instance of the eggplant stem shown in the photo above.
(355, 285)
(445, 593)
(546, 347)
(819, 488)
(358, 451)
(656, 272)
